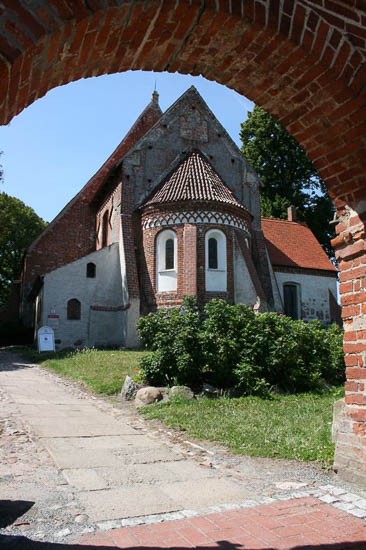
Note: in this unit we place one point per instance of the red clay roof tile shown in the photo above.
(292, 244)
(193, 179)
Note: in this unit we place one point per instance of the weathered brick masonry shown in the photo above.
(302, 60)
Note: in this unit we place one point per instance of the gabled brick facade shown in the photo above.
(176, 174)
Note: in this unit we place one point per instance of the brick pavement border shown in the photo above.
(303, 522)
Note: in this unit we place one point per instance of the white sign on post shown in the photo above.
(46, 339)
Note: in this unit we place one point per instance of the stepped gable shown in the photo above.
(193, 179)
(292, 244)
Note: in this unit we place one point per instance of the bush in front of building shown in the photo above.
(229, 346)
(174, 337)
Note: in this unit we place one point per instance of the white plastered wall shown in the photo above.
(244, 290)
(313, 293)
(95, 328)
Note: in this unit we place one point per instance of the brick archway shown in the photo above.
(304, 63)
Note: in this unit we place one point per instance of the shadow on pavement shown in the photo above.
(13, 362)
(22, 543)
(10, 510)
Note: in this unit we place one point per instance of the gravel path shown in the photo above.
(54, 488)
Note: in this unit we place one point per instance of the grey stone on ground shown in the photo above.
(183, 392)
(129, 389)
(148, 396)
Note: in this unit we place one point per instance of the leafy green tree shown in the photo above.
(288, 175)
(19, 226)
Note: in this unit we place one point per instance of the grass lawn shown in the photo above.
(102, 371)
(287, 426)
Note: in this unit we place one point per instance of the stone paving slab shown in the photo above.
(146, 456)
(199, 493)
(127, 502)
(83, 458)
(73, 427)
(85, 479)
(150, 473)
(300, 524)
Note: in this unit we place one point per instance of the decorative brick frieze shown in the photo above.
(196, 217)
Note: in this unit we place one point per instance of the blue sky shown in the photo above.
(53, 147)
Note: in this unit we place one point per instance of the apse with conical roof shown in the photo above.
(194, 179)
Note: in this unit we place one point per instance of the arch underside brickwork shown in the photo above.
(302, 60)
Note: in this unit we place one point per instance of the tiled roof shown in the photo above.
(193, 179)
(292, 244)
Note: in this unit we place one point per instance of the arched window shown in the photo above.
(169, 254)
(216, 268)
(73, 310)
(105, 222)
(291, 300)
(90, 270)
(212, 253)
(166, 261)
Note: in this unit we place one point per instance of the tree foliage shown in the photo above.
(288, 175)
(19, 226)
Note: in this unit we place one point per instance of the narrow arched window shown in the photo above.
(73, 310)
(166, 261)
(169, 254)
(212, 253)
(216, 263)
(105, 229)
(90, 270)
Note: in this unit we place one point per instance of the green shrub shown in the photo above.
(174, 335)
(333, 369)
(226, 330)
(231, 347)
(287, 353)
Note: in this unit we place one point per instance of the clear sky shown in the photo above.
(53, 147)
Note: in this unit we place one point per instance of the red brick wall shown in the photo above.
(191, 254)
(350, 456)
(190, 260)
(191, 266)
(303, 61)
(112, 209)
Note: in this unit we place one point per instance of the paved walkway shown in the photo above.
(305, 523)
(140, 489)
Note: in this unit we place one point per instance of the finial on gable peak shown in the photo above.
(155, 97)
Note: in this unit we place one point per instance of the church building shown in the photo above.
(174, 211)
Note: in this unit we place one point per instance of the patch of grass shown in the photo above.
(286, 426)
(101, 371)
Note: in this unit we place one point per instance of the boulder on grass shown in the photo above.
(129, 390)
(148, 396)
(182, 392)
